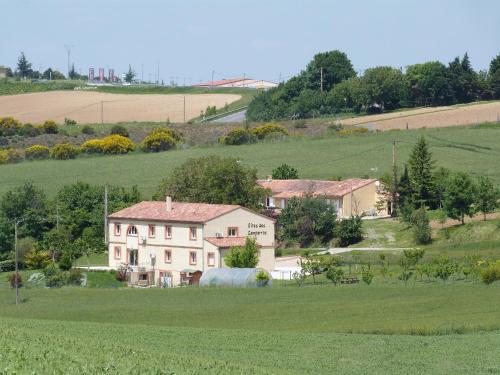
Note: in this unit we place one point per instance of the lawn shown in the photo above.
(273, 330)
(472, 149)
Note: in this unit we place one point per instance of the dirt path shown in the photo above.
(85, 106)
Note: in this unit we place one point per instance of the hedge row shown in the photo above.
(9, 126)
(241, 136)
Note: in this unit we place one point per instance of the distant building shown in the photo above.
(172, 242)
(3, 71)
(239, 82)
(349, 197)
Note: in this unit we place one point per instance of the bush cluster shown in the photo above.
(161, 139)
(240, 136)
(112, 144)
(64, 151)
(491, 273)
(11, 155)
(9, 126)
(265, 130)
(37, 152)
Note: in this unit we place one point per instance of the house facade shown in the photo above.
(351, 197)
(170, 243)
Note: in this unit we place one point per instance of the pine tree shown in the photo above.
(421, 165)
(23, 66)
(404, 187)
(494, 76)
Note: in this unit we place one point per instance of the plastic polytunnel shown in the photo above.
(233, 277)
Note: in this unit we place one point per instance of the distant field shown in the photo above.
(259, 331)
(472, 149)
(431, 117)
(85, 106)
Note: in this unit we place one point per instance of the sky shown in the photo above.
(263, 39)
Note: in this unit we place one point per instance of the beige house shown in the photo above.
(170, 243)
(350, 197)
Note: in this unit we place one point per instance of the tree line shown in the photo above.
(329, 85)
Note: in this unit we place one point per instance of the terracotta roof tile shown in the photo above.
(181, 212)
(226, 241)
(299, 188)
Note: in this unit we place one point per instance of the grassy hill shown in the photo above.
(472, 149)
(275, 330)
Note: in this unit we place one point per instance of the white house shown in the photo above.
(173, 242)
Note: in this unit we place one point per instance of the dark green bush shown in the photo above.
(75, 276)
(491, 273)
(49, 127)
(7, 265)
(349, 231)
(119, 130)
(87, 129)
(29, 130)
(65, 262)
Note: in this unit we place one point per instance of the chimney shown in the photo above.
(168, 201)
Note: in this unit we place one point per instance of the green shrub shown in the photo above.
(55, 281)
(7, 265)
(37, 259)
(349, 231)
(239, 136)
(37, 152)
(65, 262)
(335, 274)
(29, 130)
(491, 273)
(49, 127)
(69, 122)
(88, 130)
(75, 276)
(63, 151)
(366, 275)
(119, 130)
(266, 130)
(421, 227)
(262, 278)
(9, 126)
(160, 139)
(50, 270)
(11, 155)
(92, 146)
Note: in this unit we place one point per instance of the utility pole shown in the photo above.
(321, 78)
(68, 51)
(394, 177)
(16, 223)
(106, 214)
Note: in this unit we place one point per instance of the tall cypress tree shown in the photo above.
(420, 168)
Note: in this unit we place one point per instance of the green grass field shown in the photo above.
(378, 329)
(472, 149)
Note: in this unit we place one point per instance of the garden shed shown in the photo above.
(234, 277)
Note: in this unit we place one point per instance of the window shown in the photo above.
(133, 257)
(118, 252)
(168, 256)
(143, 277)
(211, 259)
(118, 229)
(168, 231)
(132, 230)
(270, 202)
(151, 230)
(232, 232)
(192, 233)
(192, 258)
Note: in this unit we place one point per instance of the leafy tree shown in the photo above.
(310, 265)
(285, 172)
(349, 231)
(130, 75)
(29, 203)
(487, 196)
(421, 226)
(421, 164)
(24, 67)
(52, 74)
(307, 220)
(243, 256)
(212, 179)
(440, 182)
(334, 274)
(443, 267)
(429, 84)
(460, 196)
(336, 68)
(384, 86)
(494, 76)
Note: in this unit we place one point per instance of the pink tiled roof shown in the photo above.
(181, 212)
(220, 82)
(226, 241)
(299, 188)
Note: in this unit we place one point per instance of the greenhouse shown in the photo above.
(236, 277)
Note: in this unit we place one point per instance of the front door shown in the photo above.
(133, 257)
